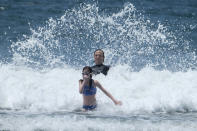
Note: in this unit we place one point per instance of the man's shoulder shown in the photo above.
(97, 69)
(93, 66)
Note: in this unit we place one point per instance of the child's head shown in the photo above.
(87, 71)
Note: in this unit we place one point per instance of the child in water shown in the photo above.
(87, 87)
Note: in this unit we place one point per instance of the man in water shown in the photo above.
(99, 67)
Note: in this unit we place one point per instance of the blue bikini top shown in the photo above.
(89, 90)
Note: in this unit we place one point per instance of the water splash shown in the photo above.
(126, 36)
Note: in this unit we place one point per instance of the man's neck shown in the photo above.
(99, 64)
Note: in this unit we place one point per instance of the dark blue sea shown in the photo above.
(150, 45)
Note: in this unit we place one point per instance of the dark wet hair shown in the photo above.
(87, 68)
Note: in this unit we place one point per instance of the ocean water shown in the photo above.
(150, 45)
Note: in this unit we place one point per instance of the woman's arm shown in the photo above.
(81, 85)
(107, 93)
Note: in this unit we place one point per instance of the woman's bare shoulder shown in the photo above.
(96, 82)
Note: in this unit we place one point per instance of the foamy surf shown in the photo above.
(146, 91)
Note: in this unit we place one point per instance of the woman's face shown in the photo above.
(86, 74)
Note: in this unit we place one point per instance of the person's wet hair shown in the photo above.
(87, 68)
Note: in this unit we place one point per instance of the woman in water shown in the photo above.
(87, 87)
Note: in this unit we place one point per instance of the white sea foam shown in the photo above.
(38, 95)
(145, 91)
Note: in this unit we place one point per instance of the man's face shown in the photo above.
(98, 57)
